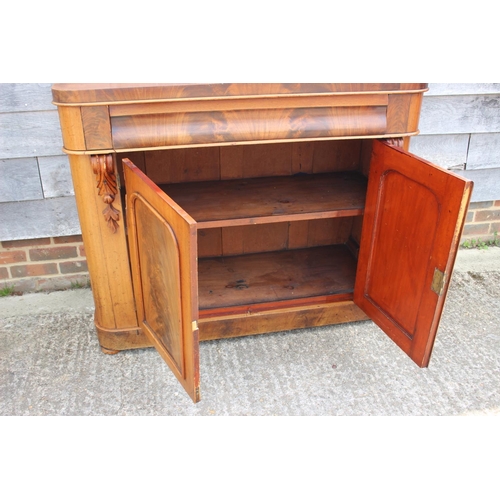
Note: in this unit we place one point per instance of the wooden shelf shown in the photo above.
(263, 200)
(242, 280)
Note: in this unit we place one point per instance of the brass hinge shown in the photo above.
(194, 326)
(438, 281)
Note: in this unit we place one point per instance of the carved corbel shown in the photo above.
(103, 168)
(395, 141)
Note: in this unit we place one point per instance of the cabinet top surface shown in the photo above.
(80, 93)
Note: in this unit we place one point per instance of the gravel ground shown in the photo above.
(51, 364)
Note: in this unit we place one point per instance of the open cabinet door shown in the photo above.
(413, 220)
(162, 240)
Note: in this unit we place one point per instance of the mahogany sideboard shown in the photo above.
(221, 210)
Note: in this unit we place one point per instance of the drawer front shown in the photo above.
(254, 125)
(129, 125)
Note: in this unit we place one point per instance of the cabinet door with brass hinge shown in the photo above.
(413, 220)
(162, 241)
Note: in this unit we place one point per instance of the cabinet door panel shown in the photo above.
(162, 240)
(413, 220)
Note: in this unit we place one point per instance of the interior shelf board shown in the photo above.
(270, 199)
(275, 276)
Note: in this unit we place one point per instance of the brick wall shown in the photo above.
(58, 263)
(483, 222)
(55, 263)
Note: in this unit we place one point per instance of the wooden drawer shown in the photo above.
(187, 119)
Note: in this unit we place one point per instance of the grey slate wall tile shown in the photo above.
(17, 97)
(56, 176)
(484, 151)
(24, 135)
(20, 180)
(460, 114)
(448, 151)
(38, 219)
(462, 88)
(486, 183)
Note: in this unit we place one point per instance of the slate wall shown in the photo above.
(459, 130)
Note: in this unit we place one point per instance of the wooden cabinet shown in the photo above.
(258, 208)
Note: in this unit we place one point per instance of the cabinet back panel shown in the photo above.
(357, 225)
(253, 160)
(183, 165)
(326, 156)
(256, 160)
(238, 240)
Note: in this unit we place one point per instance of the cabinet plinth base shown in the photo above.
(282, 319)
(112, 341)
(109, 351)
(239, 325)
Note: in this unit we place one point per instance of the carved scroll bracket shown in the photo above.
(103, 168)
(395, 141)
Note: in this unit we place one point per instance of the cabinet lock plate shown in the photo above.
(438, 281)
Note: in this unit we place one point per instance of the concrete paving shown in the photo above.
(51, 364)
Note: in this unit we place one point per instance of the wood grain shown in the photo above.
(270, 199)
(275, 276)
(254, 238)
(398, 113)
(159, 260)
(216, 127)
(234, 240)
(96, 127)
(72, 93)
(255, 160)
(284, 102)
(73, 135)
(182, 165)
(279, 319)
(107, 253)
(162, 242)
(414, 216)
(114, 340)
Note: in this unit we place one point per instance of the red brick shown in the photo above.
(497, 203)
(26, 243)
(4, 274)
(11, 257)
(480, 204)
(473, 229)
(33, 270)
(82, 251)
(68, 239)
(487, 215)
(52, 253)
(78, 266)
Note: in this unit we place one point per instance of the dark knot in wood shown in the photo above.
(103, 168)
